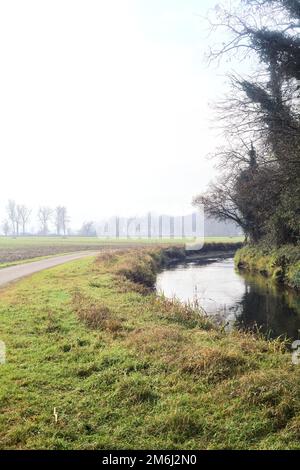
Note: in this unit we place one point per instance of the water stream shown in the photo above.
(240, 299)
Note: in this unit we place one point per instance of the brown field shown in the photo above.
(15, 250)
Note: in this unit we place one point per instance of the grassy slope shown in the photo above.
(126, 370)
(281, 264)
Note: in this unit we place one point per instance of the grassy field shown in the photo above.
(125, 369)
(16, 250)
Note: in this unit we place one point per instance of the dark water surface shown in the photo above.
(247, 301)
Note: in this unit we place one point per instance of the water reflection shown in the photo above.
(274, 310)
(248, 301)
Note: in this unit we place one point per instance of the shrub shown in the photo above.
(281, 264)
(95, 315)
(139, 267)
(213, 364)
(183, 313)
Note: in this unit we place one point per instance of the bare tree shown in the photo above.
(64, 220)
(259, 187)
(61, 220)
(44, 216)
(5, 227)
(220, 203)
(23, 214)
(57, 218)
(12, 216)
(88, 229)
(18, 219)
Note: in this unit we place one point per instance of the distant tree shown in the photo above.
(11, 210)
(259, 187)
(57, 219)
(61, 220)
(88, 229)
(5, 227)
(64, 220)
(44, 216)
(23, 214)
(18, 219)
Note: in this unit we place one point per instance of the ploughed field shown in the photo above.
(16, 250)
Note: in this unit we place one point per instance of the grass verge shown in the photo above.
(126, 369)
(281, 264)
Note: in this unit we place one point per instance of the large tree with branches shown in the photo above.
(260, 181)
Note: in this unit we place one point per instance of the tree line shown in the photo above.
(50, 220)
(259, 183)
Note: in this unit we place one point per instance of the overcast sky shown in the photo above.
(104, 105)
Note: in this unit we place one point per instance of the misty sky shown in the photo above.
(104, 105)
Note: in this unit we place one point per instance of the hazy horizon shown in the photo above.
(105, 106)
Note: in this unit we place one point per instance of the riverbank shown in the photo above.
(176, 254)
(280, 264)
(126, 369)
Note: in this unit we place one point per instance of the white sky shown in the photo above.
(104, 105)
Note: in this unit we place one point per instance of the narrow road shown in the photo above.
(13, 273)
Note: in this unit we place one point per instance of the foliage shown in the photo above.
(259, 188)
(282, 264)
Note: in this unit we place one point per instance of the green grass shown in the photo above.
(282, 264)
(126, 370)
(8, 242)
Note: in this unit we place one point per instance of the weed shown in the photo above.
(95, 315)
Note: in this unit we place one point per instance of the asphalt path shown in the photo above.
(13, 273)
